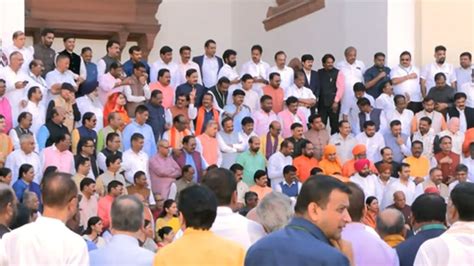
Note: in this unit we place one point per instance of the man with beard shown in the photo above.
(426, 135)
(387, 157)
(43, 50)
(372, 140)
(435, 180)
(419, 164)
(8, 207)
(364, 178)
(220, 92)
(229, 70)
(376, 76)
(439, 66)
(306, 161)
(251, 160)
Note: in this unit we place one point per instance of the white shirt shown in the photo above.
(367, 184)
(181, 73)
(41, 83)
(469, 162)
(27, 53)
(245, 138)
(381, 187)
(429, 71)
(463, 75)
(373, 144)
(453, 247)
(396, 185)
(133, 162)
(230, 73)
(235, 227)
(107, 86)
(210, 68)
(286, 74)
(171, 66)
(18, 157)
(352, 111)
(405, 118)
(252, 100)
(14, 95)
(47, 241)
(88, 104)
(56, 77)
(410, 87)
(38, 113)
(468, 89)
(16, 140)
(257, 70)
(352, 74)
(385, 102)
(427, 140)
(344, 146)
(275, 166)
(302, 93)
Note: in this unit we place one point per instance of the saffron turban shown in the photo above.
(360, 164)
(358, 149)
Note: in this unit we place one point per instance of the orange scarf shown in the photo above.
(174, 141)
(200, 119)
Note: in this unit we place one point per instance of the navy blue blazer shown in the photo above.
(299, 243)
(314, 84)
(407, 250)
(199, 59)
(186, 89)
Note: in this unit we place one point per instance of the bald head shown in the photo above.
(399, 199)
(390, 222)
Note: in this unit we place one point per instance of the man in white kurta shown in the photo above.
(364, 179)
(404, 184)
(439, 66)
(16, 82)
(165, 61)
(35, 79)
(278, 161)
(26, 154)
(353, 71)
(134, 160)
(455, 246)
(374, 142)
(286, 73)
(229, 70)
(305, 96)
(19, 41)
(35, 107)
(58, 76)
(257, 68)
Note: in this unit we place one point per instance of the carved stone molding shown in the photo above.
(289, 10)
(123, 20)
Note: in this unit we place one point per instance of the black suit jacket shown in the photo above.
(313, 85)
(468, 113)
(199, 59)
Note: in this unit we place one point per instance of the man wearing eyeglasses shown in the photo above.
(406, 81)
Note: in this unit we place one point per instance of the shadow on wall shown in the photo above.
(289, 10)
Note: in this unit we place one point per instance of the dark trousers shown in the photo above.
(415, 107)
(327, 113)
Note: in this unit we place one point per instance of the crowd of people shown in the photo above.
(196, 162)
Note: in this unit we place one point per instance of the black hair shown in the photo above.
(222, 182)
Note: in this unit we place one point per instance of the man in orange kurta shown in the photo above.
(305, 162)
(360, 152)
(330, 164)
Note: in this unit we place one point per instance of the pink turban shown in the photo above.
(360, 164)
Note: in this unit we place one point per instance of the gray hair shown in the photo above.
(274, 211)
(127, 213)
(390, 222)
(6, 196)
(26, 137)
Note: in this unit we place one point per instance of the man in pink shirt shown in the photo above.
(5, 107)
(59, 155)
(291, 115)
(114, 189)
(163, 170)
(111, 82)
(263, 117)
(163, 84)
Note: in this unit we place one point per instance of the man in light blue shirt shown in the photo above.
(139, 126)
(123, 249)
(237, 110)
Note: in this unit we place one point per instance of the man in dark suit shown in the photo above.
(192, 86)
(209, 64)
(429, 215)
(311, 78)
(459, 108)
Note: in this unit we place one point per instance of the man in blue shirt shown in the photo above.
(376, 76)
(320, 214)
(135, 53)
(139, 125)
(123, 248)
(429, 215)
